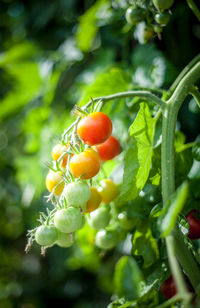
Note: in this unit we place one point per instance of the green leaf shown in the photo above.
(127, 278)
(27, 86)
(113, 81)
(88, 28)
(139, 155)
(143, 244)
(175, 206)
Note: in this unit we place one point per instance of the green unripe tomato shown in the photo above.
(133, 15)
(77, 194)
(65, 239)
(46, 235)
(106, 239)
(99, 218)
(162, 18)
(125, 222)
(163, 4)
(68, 220)
(157, 29)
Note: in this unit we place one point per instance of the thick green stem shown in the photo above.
(184, 72)
(184, 256)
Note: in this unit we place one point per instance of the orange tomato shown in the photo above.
(57, 151)
(94, 201)
(85, 164)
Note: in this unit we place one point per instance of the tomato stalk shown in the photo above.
(175, 241)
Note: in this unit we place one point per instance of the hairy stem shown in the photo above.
(184, 256)
(184, 72)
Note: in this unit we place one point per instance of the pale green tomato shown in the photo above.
(65, 239)
(46, 235)
(68, 220)
(106, 239)
(99, 218)
(77, 194)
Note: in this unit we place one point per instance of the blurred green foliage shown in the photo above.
(53, 56)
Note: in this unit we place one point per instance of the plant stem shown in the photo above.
(176, 238)
(194, 8)
(184, 72)
(146, 95)
(196, 95)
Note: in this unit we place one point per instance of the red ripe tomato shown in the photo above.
(57, 151)
(109, 149)
(168, 288)
(95, 128)
(94, 201)
(85, 164)
(194, 224)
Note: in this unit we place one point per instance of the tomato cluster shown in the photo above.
(153, 16)
(75, 161)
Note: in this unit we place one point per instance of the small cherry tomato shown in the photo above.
(148, 33)
(134, 16)
(163, 4)
(109, 149)
(108, 190)
(125, 222)
(193, 219)
(65, 239)
(46, 235)
(106, 239)
(57, 151)
(162, 18)
(85, 164)
(68, 220)
(168, 288)
(76, 194)
(94, 201)
(99, 218)
(95, 128)
(52, 179)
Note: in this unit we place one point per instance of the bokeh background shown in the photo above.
(50, 54)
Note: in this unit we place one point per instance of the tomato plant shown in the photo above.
(147, 190)
(95, 128)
